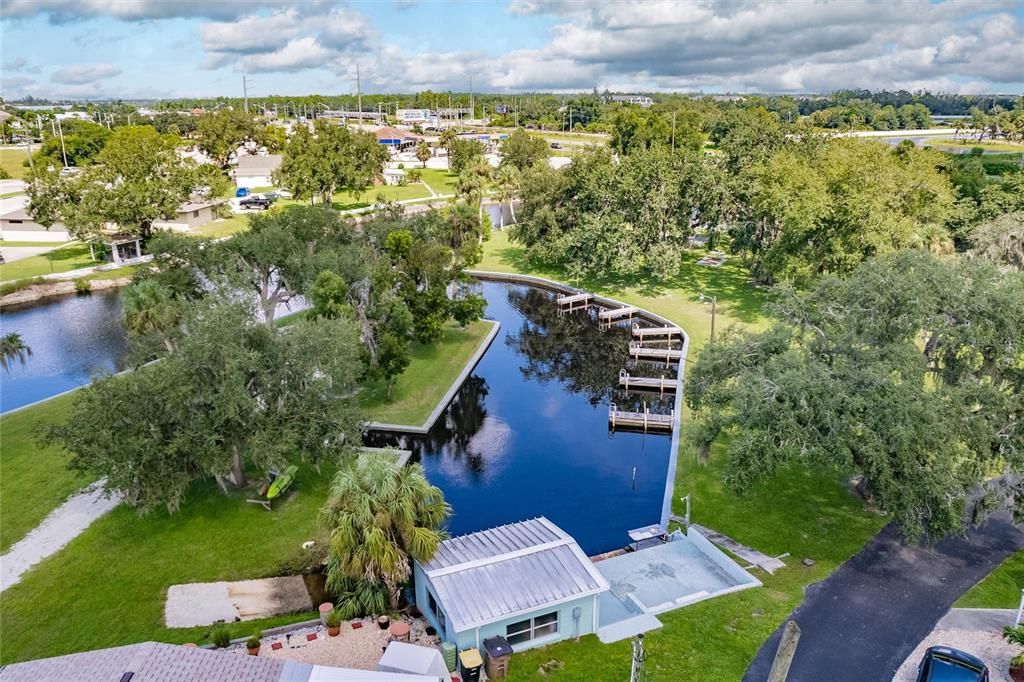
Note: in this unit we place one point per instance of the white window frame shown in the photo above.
(531, 631)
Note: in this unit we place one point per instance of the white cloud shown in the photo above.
(60, 11)
(81, 74)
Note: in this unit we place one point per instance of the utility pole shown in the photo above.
(570, 118)
(359, 91)
(245, 92)
(673, 131)
(472, 107)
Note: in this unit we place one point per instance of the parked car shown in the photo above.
(255, 203)
(946, 664)
(242, 192)
(555, 145)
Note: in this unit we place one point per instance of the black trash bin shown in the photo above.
(499, 653)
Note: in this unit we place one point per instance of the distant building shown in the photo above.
(641, 100)
(192, 214)
(18, 226)
(257, 170)
(395, 138)
(75, 115)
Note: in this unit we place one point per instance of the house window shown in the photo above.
(195, 214)
(436, 610)
(532, 628)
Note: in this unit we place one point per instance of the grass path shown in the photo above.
(432, 370)
(806, 512)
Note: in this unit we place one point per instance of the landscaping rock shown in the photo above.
(808, 562)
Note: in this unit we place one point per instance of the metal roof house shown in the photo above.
(528, 582)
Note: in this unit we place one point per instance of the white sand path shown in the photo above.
(60, 527)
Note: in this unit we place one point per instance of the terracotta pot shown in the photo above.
(253, 652)
(335, 631)
(1017, 673)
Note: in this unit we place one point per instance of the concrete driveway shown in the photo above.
(864, 620)
(13, 253)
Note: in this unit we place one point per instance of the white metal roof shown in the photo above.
(513, 569)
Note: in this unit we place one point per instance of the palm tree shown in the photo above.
(506, 185)
(379, 516)
(149, 307)
(960, 127)
(13, 348)
(423, 152)
(448, 136)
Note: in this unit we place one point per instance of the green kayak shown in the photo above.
(282, 482)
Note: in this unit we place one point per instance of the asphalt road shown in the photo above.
(860, 623)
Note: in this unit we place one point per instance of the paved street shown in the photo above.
(863, 621)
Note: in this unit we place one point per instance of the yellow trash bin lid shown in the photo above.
(470, 658)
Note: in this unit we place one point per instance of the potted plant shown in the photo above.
(1015, 635)
(384, 622)
(253, 643)
(333, 622)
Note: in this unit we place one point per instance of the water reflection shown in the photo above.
(73, 339)
(527, 434)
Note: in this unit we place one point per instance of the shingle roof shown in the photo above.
(492, 574)
(156, 662)
(251, 164)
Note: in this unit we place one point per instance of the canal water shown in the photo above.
(527, 434)
(72, 338)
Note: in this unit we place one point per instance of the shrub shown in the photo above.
(254, 641)
(11, 287)
(221, 636)
(82, 285)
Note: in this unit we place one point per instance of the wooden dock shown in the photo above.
(659, 384)
(639, 421)
(580, 301)
(655, 332)
(617, 313)
(638, 352)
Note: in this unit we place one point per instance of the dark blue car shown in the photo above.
(946, 664)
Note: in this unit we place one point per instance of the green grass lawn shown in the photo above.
(11, 160)
(1000, 589)
(71, 257)
(808, 513)
(678, 298)
(988, 145)
(430, 374)
(222, 228)
(346, 201)
(440, 180)
(109, 584)
(33, 479)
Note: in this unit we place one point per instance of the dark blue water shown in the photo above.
(527, 435)
(72, 338)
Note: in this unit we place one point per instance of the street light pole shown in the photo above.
(714, 310)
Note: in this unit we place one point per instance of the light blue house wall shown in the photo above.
(568, 626)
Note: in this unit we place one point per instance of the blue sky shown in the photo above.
(171, 48)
